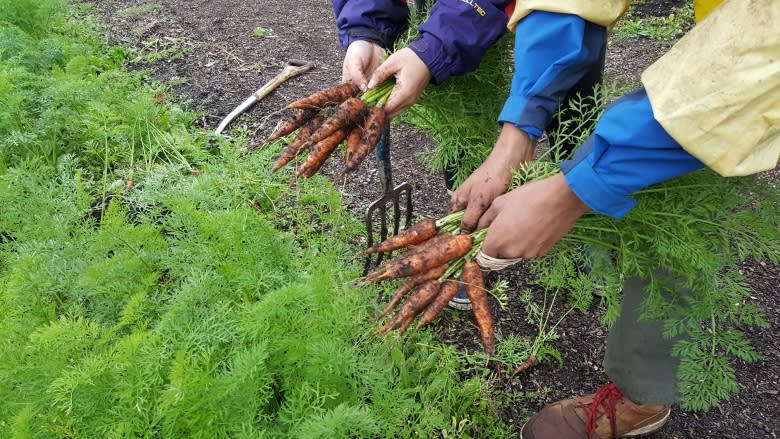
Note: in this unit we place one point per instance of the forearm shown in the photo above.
(457, 35)
(628, 151)
(553, 52)
(379, 21)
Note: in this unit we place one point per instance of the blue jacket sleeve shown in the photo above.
(553, 52)
(457, 35)
(380, 21)
(628, 151)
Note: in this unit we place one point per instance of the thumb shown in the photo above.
(382, 73)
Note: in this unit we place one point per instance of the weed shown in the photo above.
(666, 28)
(260, 32)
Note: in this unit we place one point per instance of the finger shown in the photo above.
(353, 72)
(471, 216)
(487, 218)
(382, 73)
(489, 246)
(458, 201)
(396, 103)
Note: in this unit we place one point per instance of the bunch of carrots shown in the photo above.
(326, 119)
(437, 261)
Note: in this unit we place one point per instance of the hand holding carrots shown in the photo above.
(411, 76)
(360, 61)
(493, 177)
(528, 221)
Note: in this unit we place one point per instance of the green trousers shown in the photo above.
(638, 358)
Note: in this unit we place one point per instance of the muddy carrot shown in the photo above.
(328, 97)
(320, 153)
(353, 140)
(297, 145)
(292, 123)
(419, 232)
(416, 303)
(475, 289)
(418, 261)
(347, 114)
(448, 290)
(525, 365)
(372, 132)
(409, 285)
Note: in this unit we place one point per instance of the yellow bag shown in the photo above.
(602, 12)
(717, 91)
(702, 8)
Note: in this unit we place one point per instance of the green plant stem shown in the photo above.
(378, 96)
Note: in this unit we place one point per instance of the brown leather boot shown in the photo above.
(602, 415)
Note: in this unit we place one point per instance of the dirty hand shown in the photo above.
(360, 61)
(493, 177)
(411, 77)
(528, 221)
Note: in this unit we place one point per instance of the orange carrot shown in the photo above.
(292, 123)
(372, 132)
(347, 114)
(328, 97)
(416, 303)
(419, 232)
(411, 284)
(320, 152)
(452, 248)
(353, 140)
(294, 148)
(525, 365)
(475, 289)
(448, 290)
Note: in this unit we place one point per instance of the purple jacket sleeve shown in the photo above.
(380, 21)
(457, 35)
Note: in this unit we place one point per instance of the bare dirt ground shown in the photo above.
(211, 51)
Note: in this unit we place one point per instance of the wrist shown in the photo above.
(568, 197)
(513, 146)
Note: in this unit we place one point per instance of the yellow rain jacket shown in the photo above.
(717, 91)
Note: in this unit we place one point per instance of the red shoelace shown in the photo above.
(604, 403)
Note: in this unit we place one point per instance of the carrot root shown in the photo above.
(372, 132)
(331, 96)
(419, 232)
(448, 290)
(411, 284)
(297, 146)
(475, 289)
(417, 261)
(347, 114)
(416, 303)
(530, 362)
(320, 153)
(287, 126)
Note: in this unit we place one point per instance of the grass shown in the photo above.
(668, 28)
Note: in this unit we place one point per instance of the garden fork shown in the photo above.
(395, 203)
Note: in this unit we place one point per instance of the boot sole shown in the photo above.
(650, 428)
(655, 426)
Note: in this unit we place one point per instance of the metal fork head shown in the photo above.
(394, 206)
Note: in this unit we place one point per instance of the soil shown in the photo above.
(218, 53)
